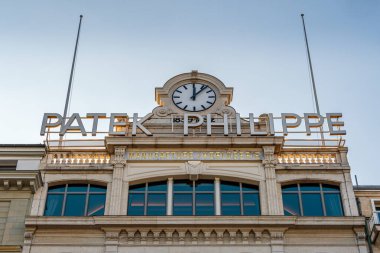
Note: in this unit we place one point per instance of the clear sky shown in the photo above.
(129, 47)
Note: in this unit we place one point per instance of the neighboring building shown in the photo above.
(368, 198)
(157, 188)
(19, 179)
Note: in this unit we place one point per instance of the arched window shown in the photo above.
(75, 200)
(193, 197)
(239, 199)
(147, 199)
(312, 200)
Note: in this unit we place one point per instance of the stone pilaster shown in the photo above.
(119, 162)
(169, 204)
(361, 240)
(269, 163)
(218, 208)
(111, 243)
(28, 239)
(277, 241)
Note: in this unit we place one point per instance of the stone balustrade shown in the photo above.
(78, 158)
(307, 158)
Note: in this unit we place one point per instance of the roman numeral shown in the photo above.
(194, 108)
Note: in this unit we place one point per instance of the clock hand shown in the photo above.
(193, 96)
(202, 88)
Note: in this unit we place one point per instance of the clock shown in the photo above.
(194, 97)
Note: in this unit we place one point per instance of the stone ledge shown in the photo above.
(231, 221)
(21, 179)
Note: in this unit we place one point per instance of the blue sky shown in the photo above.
(129, 47)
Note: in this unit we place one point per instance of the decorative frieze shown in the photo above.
(307, 158)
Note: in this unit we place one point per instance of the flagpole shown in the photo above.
(71, 78)
(312, 76)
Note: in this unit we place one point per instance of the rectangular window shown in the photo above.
(183, 204)
(231, 204)
(333, 204)
(75, 205)
(291, 204)
(54, 205)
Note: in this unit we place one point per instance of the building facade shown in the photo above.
(193, 176)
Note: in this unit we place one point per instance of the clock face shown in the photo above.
(194, 97)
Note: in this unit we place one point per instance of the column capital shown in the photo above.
(119, 156)
(269, 156)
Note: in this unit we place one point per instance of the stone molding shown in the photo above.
(21, 180)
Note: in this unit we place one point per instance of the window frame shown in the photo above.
(194, 193)
(321, 192)
(66, 192)
(241, 193)
(146, 193)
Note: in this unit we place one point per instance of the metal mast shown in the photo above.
(312, 75)
(71, 77)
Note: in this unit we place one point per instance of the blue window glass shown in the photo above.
(182, 185)
(310, 187)
(136, 204)
(229, 186)
(157, 186)
(58, 188)
(100, 189)
(316, 200)
(75, 205)
(251, 204)
(291, 204)
(73, 198)
(96, 204)
(77, 188)
(204, 204)
(247, 187)
(182, 204)
(156, 204)
(147, 199)
(54, 205)
(201, 186)
(290, 188)
(231, 204)
(312, 204)
(239, 199)
(333, 204)
(139, 187)
(330, 188)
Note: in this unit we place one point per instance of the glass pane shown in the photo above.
(58, 188)
(75, 204)
(136, 203)
(229, 186)
(330, 188)
(310, 187)
(204, 186)
(204, 204)
(182, 204)
(249, 187)
(96, 204)
(333, 204)
(288, 188)
(139, 188)
(183, 185)
(231, 204)
(157, 186)
(156, 204)
(77, 188)
(97, 188)
(251, 204)
(291, 204)
(312, 204)
(53, 205)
